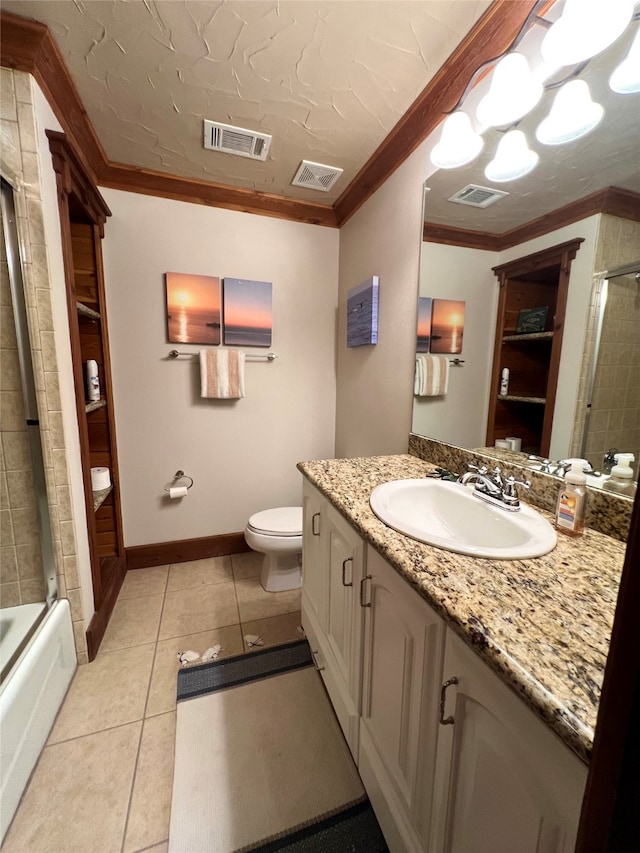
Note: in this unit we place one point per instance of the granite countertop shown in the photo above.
(543, 624)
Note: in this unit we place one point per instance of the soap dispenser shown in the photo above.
(571, 509)
(621, 479)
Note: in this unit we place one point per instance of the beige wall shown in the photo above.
(242, 454)
(26, 162)
(375, 383)
(455, 272)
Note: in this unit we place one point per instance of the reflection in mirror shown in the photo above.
(588, 189)
(608, 411)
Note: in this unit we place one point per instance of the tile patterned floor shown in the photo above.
(103, 781)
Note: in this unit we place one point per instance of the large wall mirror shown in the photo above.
(587, 189)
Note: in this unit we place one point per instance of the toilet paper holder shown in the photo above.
(180, 475)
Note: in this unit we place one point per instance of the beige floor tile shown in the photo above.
(274, 630)
(108, 692)
(134, 621)
(255, 603)
(248, 565)
(162, 693)
(199, 573)
(78, 796)
(137, 582)
(190, 611)
(150, 808)
(163, 847)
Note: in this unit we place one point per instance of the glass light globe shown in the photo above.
(513, 92)
(585, 28)
(513, 158)
(573, 114)
(459, 143)
(625, 80)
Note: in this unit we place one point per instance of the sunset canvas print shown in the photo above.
(193, 308)
(424, 323)
(247, 312)
(447, 326)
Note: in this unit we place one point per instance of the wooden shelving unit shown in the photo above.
(83, 214)
(533, 358)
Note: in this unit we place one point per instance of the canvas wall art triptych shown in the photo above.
(201, 311)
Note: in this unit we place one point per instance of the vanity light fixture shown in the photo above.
(513, 92)
(625, 80)
(585, 28)
(573, 114)
(513, 158)
(459, 143)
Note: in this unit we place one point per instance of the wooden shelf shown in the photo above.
(514, 399)
(100, 496)
(83, 309)
(94, 405)
(528, 336)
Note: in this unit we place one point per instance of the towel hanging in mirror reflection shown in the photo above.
(432, 375)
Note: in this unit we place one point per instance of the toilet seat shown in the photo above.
(281, 521)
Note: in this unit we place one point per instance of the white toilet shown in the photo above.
(277, 533)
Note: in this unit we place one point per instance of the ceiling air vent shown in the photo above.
(477, 196)
(236, 140)
(315, 176)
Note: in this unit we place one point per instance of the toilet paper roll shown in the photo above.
(178, 492)
(515, 443)
(100, 479)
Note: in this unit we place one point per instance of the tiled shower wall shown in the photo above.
(615, 413)
(19, 164)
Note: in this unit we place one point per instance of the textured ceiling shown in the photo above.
(328, 79)
(608, 156)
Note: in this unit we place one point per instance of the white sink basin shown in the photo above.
(448, 515)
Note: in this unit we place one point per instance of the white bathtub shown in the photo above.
(30, 698)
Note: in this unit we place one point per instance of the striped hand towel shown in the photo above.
(432, 376)
(222, 374)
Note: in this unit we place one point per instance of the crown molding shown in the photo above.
(119, 176)
(27, 45)
(491, 36)
(611, 200)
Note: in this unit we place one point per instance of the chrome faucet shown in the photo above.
(493, 487)
(609, 460)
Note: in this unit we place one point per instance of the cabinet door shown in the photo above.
(343, 674)
(401, 681)
(315, 575)
(504, 782)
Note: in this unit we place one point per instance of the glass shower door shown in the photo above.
(28, 573)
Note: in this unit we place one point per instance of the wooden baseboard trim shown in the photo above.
(163, 553)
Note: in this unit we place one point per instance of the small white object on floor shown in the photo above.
(187, 657)
(253, 640)
(300, 631)
(212, 653)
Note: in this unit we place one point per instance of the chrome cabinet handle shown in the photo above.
(363, 603)
(446, 721)
(344, 569)
(313, 524)
(315, 662)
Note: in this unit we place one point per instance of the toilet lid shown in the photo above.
(282, 521)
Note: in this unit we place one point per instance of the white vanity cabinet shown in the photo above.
(496, 779)
(333, 567)
(403, 648)
(504, 782)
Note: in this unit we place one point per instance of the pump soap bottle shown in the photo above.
(571, 509)
(621, 479)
